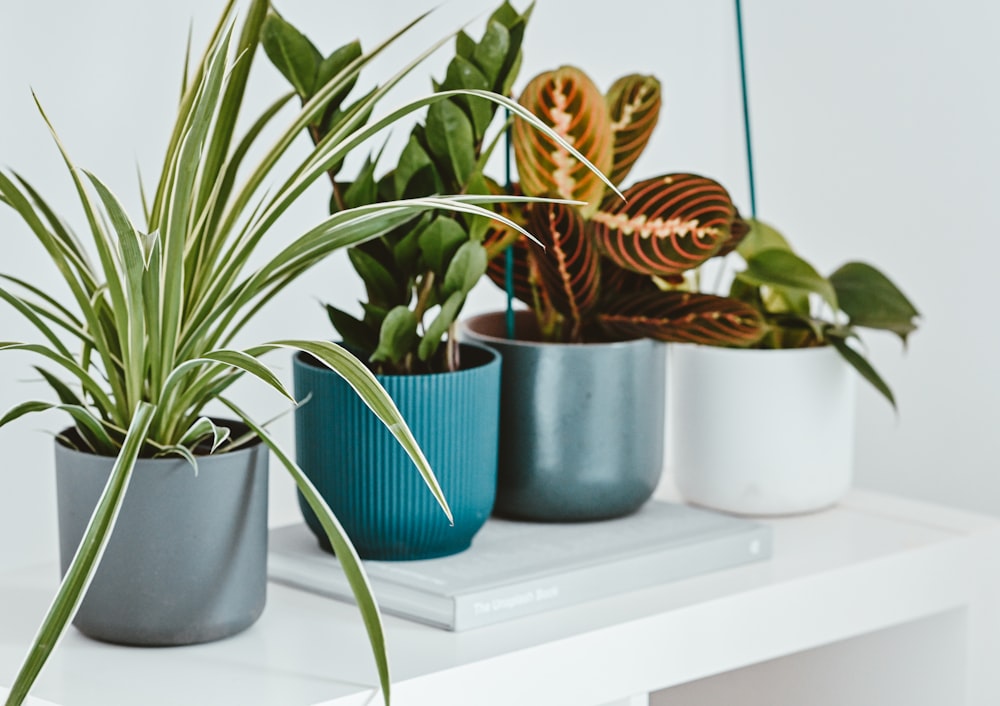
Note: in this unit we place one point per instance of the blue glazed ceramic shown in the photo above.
(368, 480)
(581, 426)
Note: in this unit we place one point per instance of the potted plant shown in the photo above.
(416, 277)
(583, 392)
(146, 348)
(787, 401)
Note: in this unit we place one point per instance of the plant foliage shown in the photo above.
(610, 268)
(147, 342)
(417, 276)
(802, 308)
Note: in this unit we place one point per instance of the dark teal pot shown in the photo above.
(368, 480)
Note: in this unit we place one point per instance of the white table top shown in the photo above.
(872, 562)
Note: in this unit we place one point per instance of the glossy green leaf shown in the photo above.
(870, 299)
(783, 268)
(761, 237)
(355, 333)
(397, 337)
(465, 269)
(382, 287)
(861, 364)
(464, 45)
(491, 52)
(450, 137)
(465, 74)
(291, 53)
(332, 65)
(446, 316)
(439, 242)
(415, 174)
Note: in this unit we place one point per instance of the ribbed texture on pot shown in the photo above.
(369, 481)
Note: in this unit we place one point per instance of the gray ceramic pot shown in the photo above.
(187, 559)
(581, 425)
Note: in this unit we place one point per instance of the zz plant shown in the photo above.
(147, 342)
(611, 269)
(417, 276)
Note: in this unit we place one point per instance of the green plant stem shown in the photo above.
(452, 349)
(424, 294)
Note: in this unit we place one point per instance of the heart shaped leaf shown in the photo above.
(870, 299)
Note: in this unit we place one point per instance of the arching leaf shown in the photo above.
(666, 225)
(634, 106)
(569, 102)
(569, 268)
(870, 299)
(686, 317)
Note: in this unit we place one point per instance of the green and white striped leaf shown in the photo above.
(88, 555)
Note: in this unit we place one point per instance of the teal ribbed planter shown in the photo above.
(369, 481)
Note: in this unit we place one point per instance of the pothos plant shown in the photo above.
(147, 343)
(610, 268)
(417, 276)
(803, 309)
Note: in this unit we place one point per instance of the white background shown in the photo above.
(875, 125)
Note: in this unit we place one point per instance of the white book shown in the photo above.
(518, 568)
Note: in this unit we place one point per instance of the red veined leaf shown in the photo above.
(569, 102)
(737, 232)
(496, 270)
(634, 107)
(617, 281)
(687, 317)
(569, 268)
(666, 226)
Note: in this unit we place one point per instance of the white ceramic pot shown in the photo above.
(760, 432)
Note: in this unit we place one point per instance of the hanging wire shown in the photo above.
(746, 108)
(508, 278)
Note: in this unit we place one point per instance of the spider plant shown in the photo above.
(147, 342)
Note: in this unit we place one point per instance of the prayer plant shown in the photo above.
(610, 269)
(146, 343)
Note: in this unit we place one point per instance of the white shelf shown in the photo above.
(872, 563)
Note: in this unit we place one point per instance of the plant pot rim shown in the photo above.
(232, 424)
(824, 349)
(302, 359)
(526, 315)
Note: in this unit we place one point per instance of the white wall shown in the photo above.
(875, 135)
